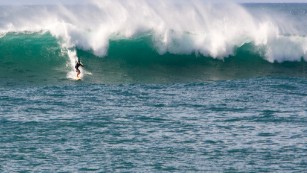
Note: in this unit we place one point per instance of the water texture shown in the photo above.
(255, 125)
(220, 89)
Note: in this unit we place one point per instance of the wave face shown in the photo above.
(31, 57)
(35, 58)
(183, 39)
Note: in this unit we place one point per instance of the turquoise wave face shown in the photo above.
(31, 58)
(38, 58)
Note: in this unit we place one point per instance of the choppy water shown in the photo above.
(222, 88)
(252, 125)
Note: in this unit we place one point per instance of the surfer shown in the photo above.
(77, 67)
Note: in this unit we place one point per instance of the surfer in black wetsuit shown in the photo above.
(77, 67)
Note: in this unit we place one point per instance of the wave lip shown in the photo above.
(38, 58)
(213, 30)
(211, 41)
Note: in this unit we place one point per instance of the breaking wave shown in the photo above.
(152, 31)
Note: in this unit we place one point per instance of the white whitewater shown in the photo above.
(176, 26)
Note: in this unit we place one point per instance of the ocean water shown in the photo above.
(222, 88)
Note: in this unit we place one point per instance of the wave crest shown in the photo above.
(178, 27)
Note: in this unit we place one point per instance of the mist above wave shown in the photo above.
(179, 27)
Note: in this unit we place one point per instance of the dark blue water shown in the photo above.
(247, 125)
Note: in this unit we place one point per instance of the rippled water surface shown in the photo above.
(248, 125)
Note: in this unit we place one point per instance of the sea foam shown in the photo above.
(178, 27)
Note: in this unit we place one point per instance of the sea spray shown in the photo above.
(38, 58)
(177, 27)
(160, 100)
